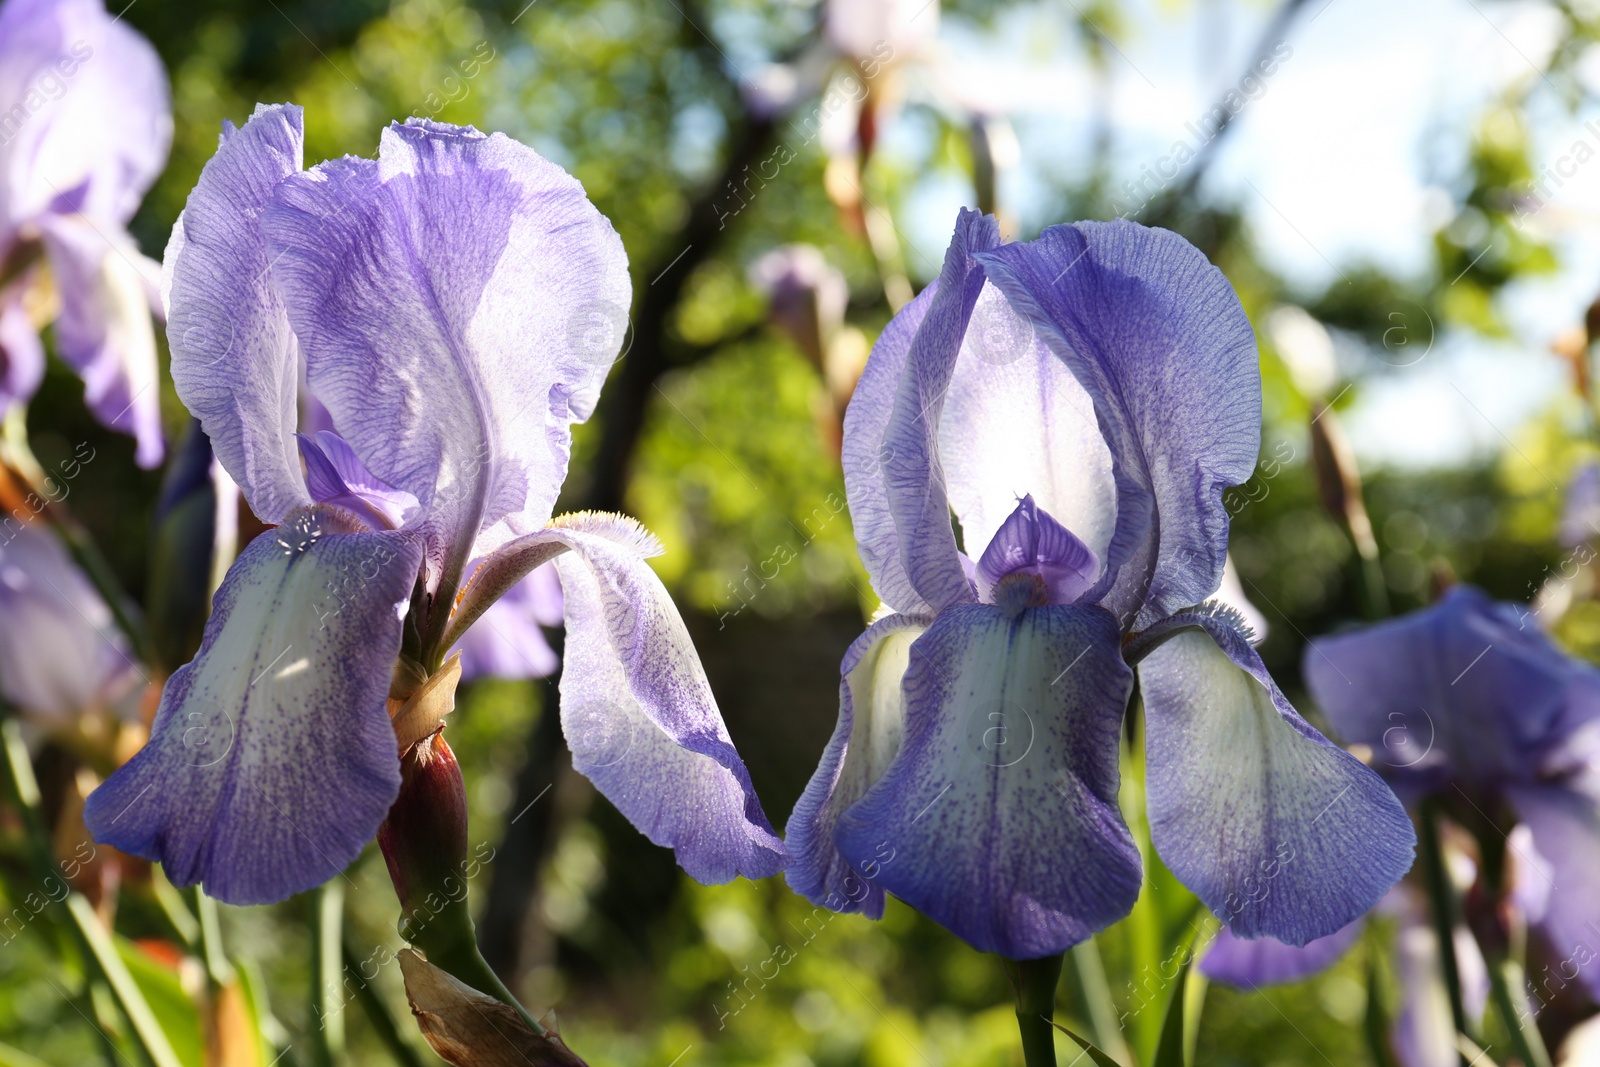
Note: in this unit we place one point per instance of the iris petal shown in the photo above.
(871, 723)
(271, 761)
(1566, 830)
(233, 354)
(1279, 831)
(1031, 542)
(1156, 336)
(998, 816)
(1268, 961)
(448, 298)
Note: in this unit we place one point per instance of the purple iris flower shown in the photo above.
(441, 299)
(85, 124)
(1468, 701)
(508, 640)
(1080, 402)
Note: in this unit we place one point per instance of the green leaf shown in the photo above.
(1100, 1058)
(173, 1010)
(1169, 1052)
(15, 1057)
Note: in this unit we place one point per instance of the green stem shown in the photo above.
(1442, 908)
(327, 963)
(378, 1012)
(450, 941)
(1035, 982)
(1506, 987)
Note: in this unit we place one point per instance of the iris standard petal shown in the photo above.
(1565, 823)
(234, 360)
(271, 761)
(104, 330)
(1276, 829)
(998, 817)
(636, 708)
(864, 453)
(1268, 961)
(1157, 338)
(913, 477)
(1467, 690)
(872, 716)
(445, 299)
(88, 119)
(1016, 423)
(60, 650)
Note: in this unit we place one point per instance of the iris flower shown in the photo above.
(85, 124)
(1080, 402)
(439, 297)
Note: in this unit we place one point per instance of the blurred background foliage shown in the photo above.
(734, 468)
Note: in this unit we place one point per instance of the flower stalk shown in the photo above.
(1035, 982)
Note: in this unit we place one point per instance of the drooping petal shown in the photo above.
(60, 650)
(1277, 830)
(1157, 338)
(636, 708)
(507, 641)
(998, 816)
(1466, 689)
(1017, 423)
(480, 320)
(871, 723)
(104, 330)
(1031, 542)
(1566, 832)
(87, 114)
(234, 360)
(1268, 961)
(272, 762)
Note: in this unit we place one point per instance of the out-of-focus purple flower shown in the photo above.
(60, 651)
(807, 294)
(443, 300)
(508, 640)
(1080, 402)
(85, 124)
(1467, 700)
(1580, 519)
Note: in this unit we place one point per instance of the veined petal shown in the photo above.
(271, 761)
(636, 708)
(60, 650)
(1268, 961)
(1017, 423)
(1466, 689)
(470, 270)
(998, 816)
(872, 716)
(1031, 542)
(104, 330)
(98, 121)
(335, 476)
(1280, 832)
(864, 453)
(234, 360)
(1566, 831)
(1155, 335)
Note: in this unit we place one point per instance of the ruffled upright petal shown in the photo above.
(234, 360)
(872, 713)
(271, 761)
(998, 816)
(1155, 335)
(636, 708)
(1280, 832)
(104, 330)
(444, 297)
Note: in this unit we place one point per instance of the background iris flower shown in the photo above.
(430, 295)
(1080, 402)
(85, 124)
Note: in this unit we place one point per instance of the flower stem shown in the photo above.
(1035, 982)
(1442, 908)
(1089, 970)
(1506, 987)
